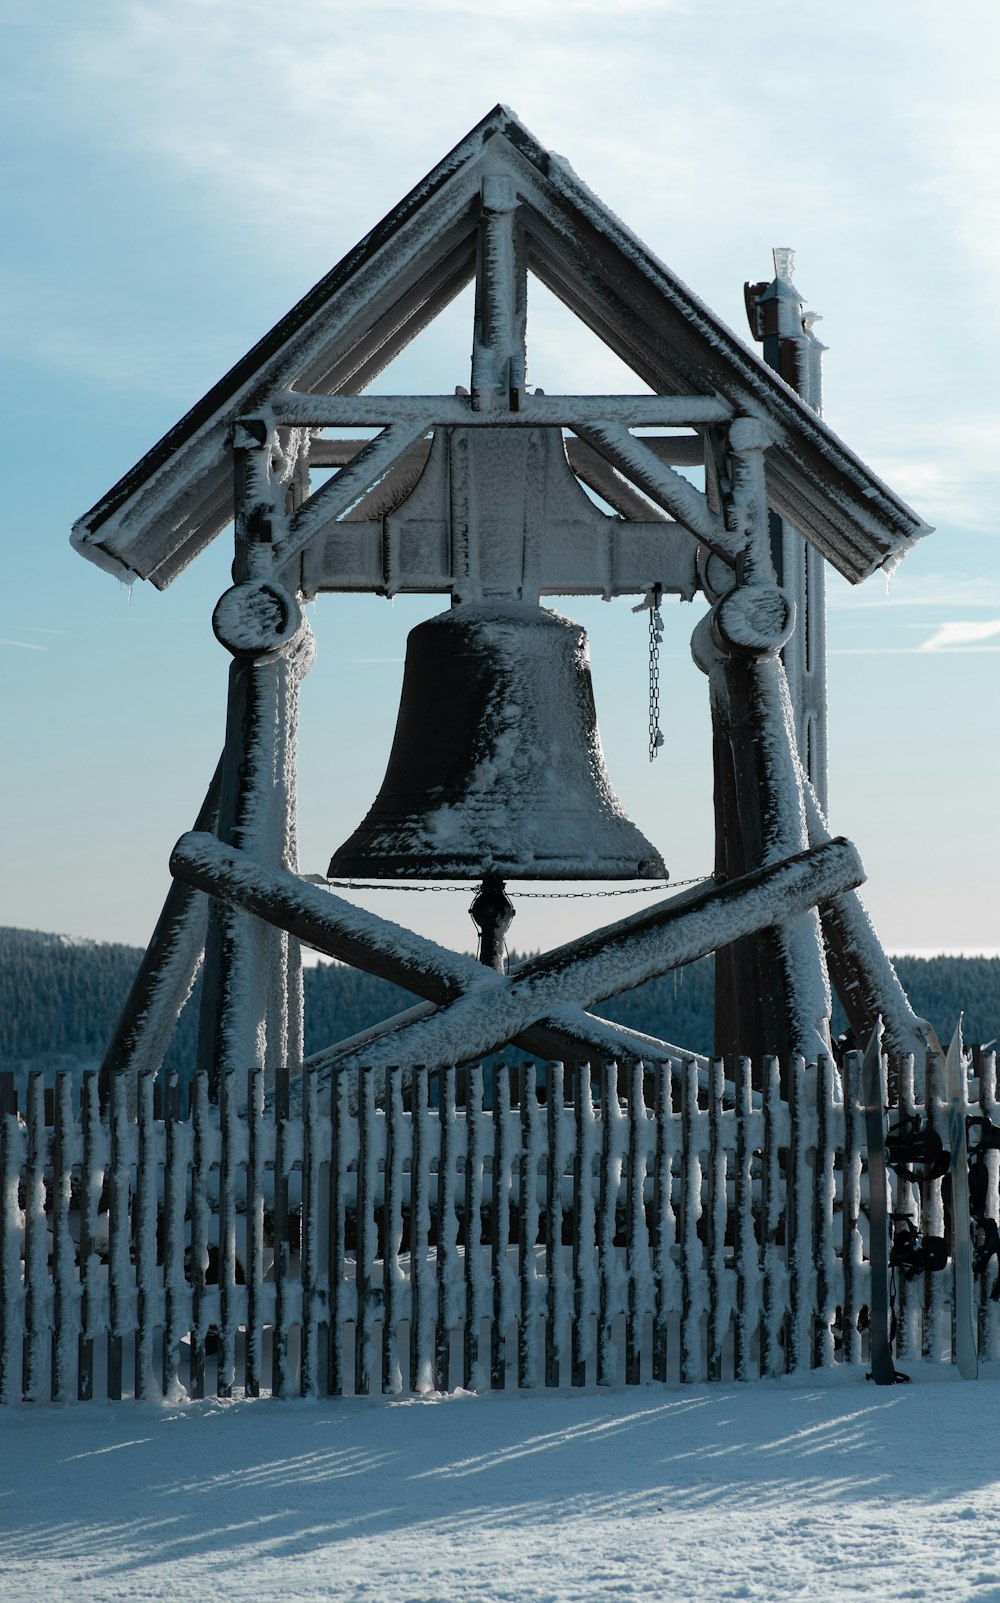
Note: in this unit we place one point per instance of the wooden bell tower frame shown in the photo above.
(415, 509)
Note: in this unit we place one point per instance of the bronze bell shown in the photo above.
(496, 769)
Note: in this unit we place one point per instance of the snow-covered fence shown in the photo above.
(587, 1230)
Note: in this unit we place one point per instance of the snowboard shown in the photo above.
(954, 1085)
(883, 1371)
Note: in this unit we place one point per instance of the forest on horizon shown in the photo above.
(60, 1000)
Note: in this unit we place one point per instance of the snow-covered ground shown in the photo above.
(808, 1490)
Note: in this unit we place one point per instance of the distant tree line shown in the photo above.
(60, 1000)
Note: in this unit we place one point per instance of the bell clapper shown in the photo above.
(492, 912)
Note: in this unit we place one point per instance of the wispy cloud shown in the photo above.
(962, 635)
(23, 645)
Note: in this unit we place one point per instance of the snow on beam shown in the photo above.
(456, 411)
(491, 1009)
(670, 490)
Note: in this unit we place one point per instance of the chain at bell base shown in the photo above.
(492, 912)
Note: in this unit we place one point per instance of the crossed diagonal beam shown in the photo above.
(478, 1010)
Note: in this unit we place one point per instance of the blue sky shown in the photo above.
(176, 176)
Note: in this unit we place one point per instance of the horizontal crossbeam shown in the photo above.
(456, 411)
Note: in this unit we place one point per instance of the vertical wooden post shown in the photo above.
(748, 1297)
(607, 1222)
(718, 1298)
(502, 1179)
(392, 1230)
(91, 1186)
(65, 1150)
(255, 1232)
(851, 1250)
(228, 1172)
(120, 1231)
(475, 1300)
(553, 1221)
(583, 1223)
(421, 1312)
(527, 1333)
(251, 994)
(666, 1221)
(147, 1173)
(447, 1225)
(35, 1241)
(772, 990)
(177, 1304)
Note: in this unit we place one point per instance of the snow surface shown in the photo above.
(825, 1488)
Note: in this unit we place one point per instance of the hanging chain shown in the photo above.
(537, 896)
(655, 636)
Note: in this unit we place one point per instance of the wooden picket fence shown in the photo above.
(403, 1235)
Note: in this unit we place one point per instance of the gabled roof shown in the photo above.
(336, 340)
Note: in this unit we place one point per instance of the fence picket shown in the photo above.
(175, 1185)
(146, 1211)
(91, 1187)
(65, 1325)
(851, 1252)
(636, 1249)
(989, 1310)
(749, 1242)
(421, 1280)
(664, 1221)
(120, 1231)
(392, 1215)
(447, 1226)
(824, 1191)
(607, 1223)
(11, 1283)
(584, 1147)
(774, 1268)
(475, 1292)
(554, 1164)
(254, 1360)
(503, 1289)
(747, 1251)
(716, 1207)
(692, 1292)
(365, 1233)
(36, 1247)
(200, 1227)
(527, 1334)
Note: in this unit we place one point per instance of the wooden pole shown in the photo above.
(772, 990)
(167, 971)
(251, 994)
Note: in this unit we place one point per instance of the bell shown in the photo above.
(496, 769)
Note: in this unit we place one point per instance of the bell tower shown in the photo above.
(496, 770)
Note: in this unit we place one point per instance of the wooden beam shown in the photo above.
(441, 411)
(490, 1009)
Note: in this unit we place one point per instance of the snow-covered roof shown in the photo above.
(337, 339)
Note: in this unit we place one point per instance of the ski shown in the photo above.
(883, 1371)
(954, 1085)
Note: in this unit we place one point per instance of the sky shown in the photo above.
(175, 177)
